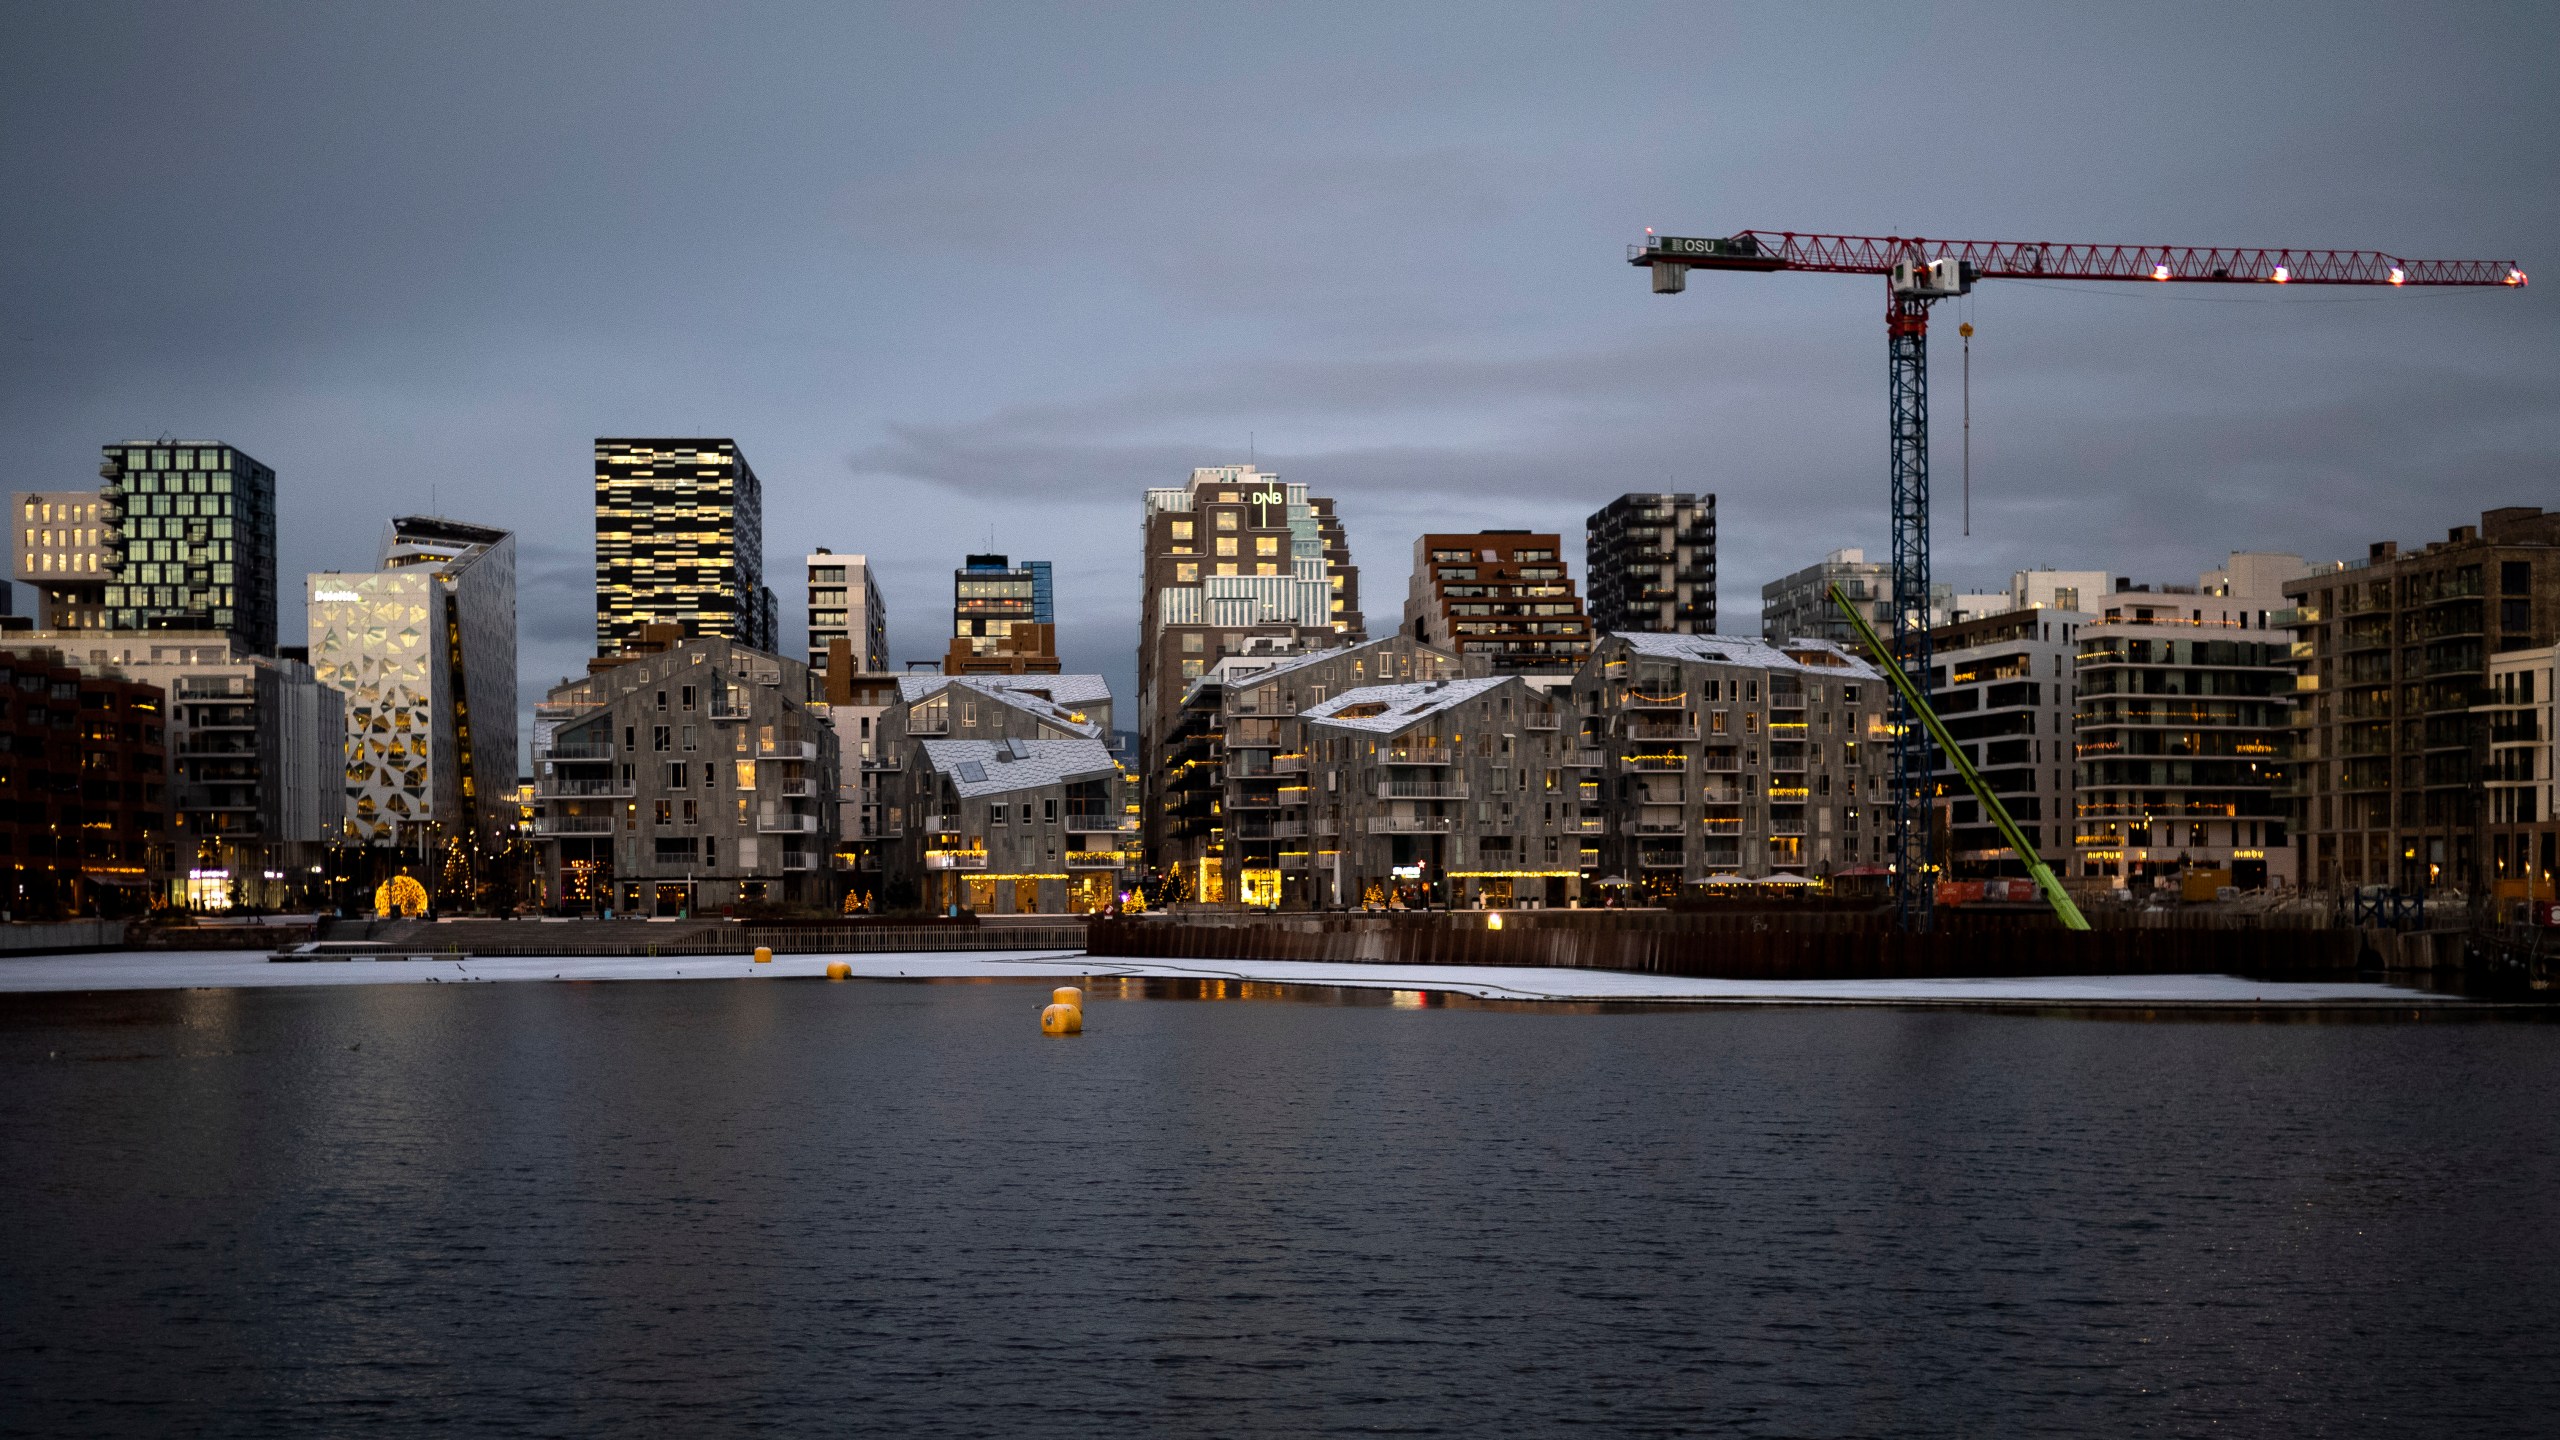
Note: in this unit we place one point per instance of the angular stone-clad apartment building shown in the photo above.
(2394, 654)
(1720, 757)
(686, 775)
(1236, 783)
(1015, 827)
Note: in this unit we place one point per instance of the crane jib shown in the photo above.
(1761, 250)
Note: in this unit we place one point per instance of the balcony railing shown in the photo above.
(955, 859)
(787, 825)
(561, 787)
(1422, 789)
(1100, 859)
(1587, 759)
(1681, 731)
(1656, 827)
(798, 789)
(883, 762)
(798, 860)
(1658, 764)
(1662, 859)
(1412, 824)
(1101, 822)
(573, 825)
(1288, 764)
(1586, 825)
(1415, 755)
(577, 750)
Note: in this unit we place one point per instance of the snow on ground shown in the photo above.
(167, 970)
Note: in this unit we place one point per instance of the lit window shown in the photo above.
(1227, 519)
(1226, 546)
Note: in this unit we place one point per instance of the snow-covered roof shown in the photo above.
(1758, 654)
(1049, 711)
(1403, 704)
(994, 767)
(1067, 690)
(1248, 670)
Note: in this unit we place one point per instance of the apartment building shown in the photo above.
(189, 528)
(84, 805)
(856, 706)
(424, 648)
(2182, 729)
(1237, 787)
(59, 547)
(1013, 826)
(2005, 686)
(1235, 556)
(256, 754)
(845, 612)
(1501, 595)
(1649, 561)
(2394, 653)
(1719, 758)
(2519, 707)
(679, 541)
(685, 775)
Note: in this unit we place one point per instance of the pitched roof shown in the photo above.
(1067, 690)
(1757, 654)
(995, 767)
(1403, 704)
(1051, 712)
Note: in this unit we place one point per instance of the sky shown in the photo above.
(967, 277)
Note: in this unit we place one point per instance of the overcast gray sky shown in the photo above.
(959, 276)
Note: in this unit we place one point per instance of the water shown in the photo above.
(796, 1207)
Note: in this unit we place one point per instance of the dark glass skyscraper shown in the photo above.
(1650, 563)
(190, 538)
(679, 540)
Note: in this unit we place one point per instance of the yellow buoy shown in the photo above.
(764, 954)
(838, 970)
(1067, 995)
(1062, 1020)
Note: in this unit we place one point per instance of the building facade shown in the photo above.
(2182, 729)
(59, 546)
(2519, 707)
(84, 806)
(1716, 759)
(1013, 826)
(1003, 619)
(423, 647)
(2005, 687)
(1502, 595)
(1238, 780)
(1649, 561)
(2394, 654)
(679, 541)
(683, 776)
(189, 528)
(1235, 556)
(844, 605)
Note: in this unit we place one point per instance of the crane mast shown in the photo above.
(1919, 273)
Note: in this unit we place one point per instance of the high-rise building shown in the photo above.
(84, 805)
(2183, 702)
(2004, 685)
(1236, 553)
(1798, 606)
(1650, 563)
(992, 599)
(424, 649)
(2394, 652)
(680, 541)
(1502, 595)
(59, 542)
(844, 605)
(189, 530)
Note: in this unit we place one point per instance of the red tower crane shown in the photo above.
(1919, 273)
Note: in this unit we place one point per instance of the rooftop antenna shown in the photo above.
(1252, 456)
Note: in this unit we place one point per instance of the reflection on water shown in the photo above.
(784, 1207)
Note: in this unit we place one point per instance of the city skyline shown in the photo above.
(1438, 328)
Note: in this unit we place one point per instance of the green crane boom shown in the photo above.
(2063, 907)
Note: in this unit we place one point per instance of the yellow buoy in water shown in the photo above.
(764, 954)
(1067, 995)
(838, 970)
(1062, 1020)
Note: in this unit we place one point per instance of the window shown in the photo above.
(1266, 545)
(686, 697)
(1049, 810)
(746, 775)
(1187, 572)
(1182, 529)
(742, 812)
(996, 813)
(662, 702)
(1227, 521)
(1226, 544)
(2515, 577)
(666, 812)
(690, 818)
(710, 851)
(1190, 669)
(661, 737)
(710, 774)
(677, 773)
(1191, 643)
(688, 734)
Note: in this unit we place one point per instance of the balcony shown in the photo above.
(793, 860)
(883, 762)
(1288, 764)
(1586, 759)
(1535, 721)
(1585, 825)
(955, 859)
(1100, 859)
(1288, 829)
(1415, 755)
(1657, 827)
(1663, 859)
(1678, 732)
(573, 825)
(787, 825)
(1253, 802)
(1412, 824)
(788, 751)
(1658, 764)
(799, 789)
(1422, 789)
(577, 750)
(555, 787)
(1640, 700)
(1101, 822)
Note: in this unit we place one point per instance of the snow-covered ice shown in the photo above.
(167, 970)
